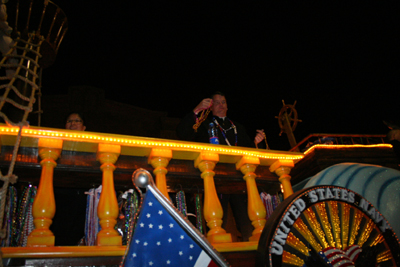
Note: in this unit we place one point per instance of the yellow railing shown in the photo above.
(108, 148)
(339, 139)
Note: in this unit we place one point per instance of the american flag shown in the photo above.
(338, 258)
(352, 252)
(160, 240)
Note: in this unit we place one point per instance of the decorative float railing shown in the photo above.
(56, 157)
(339, 139)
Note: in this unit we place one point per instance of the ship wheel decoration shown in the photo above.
(327, 226)
(287, 118)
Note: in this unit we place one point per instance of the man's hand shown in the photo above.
(204, 104)
(259, 136)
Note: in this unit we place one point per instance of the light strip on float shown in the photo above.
(145, 142)
(344, 146)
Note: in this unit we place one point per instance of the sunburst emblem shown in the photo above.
(328, 226)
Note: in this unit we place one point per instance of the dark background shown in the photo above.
(340, 60)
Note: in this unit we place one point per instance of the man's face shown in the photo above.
(219, 106)
(74, 122)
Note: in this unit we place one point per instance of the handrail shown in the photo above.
(142, 146)
(367, 137)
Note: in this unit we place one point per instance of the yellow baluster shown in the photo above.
(282, 168)
(212, 206)
(108, 204)
(159, 159)
(44, 206)
(255, 207)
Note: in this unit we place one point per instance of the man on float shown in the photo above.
(194, 127)
(229, 133)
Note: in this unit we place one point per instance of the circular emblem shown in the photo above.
(327, 226)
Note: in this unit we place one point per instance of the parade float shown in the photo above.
(338, 193)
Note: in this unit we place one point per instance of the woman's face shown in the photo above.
(74, 122)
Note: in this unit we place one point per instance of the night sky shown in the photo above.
(340, 60)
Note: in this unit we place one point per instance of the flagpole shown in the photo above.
(143, 179)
